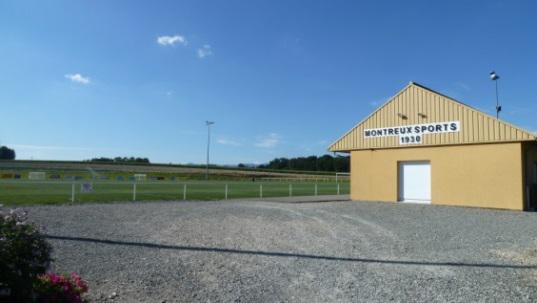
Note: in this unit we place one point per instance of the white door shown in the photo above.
(415, 182)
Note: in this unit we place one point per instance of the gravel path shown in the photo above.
(253, 251)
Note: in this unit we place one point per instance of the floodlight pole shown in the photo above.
(494, 77)
(208, 123)
(498, 108)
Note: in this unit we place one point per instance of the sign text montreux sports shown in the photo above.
(411, 134)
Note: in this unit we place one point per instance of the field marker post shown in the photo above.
(338, 189)
(134, 191)
(261, 191)
(73, 192)
(290, 190)
(226, 192)
(184, 192)
(316, 189)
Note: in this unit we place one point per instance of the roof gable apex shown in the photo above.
(420, 105)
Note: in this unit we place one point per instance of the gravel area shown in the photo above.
(255, 251)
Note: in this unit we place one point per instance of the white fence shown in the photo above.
(28, 192)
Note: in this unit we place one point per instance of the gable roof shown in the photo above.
(416, 104)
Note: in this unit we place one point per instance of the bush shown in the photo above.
(24, 255)
(53, 288)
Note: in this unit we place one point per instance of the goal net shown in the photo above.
(140, 177)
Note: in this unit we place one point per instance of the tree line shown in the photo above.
(7, 153)
(311, 163)
(120, 160)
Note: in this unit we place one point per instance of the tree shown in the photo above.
(121, 160)
(311, 163)
(7, 153)
(342, 164)
(325, 163)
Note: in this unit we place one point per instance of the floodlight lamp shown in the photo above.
(494, 76)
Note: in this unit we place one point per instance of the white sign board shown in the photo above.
(412, 134)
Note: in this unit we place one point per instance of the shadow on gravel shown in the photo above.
(288, 255)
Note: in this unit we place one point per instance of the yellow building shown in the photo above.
(424, 147)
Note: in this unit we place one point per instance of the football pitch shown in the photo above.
(27, 192)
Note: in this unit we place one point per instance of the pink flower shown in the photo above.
(64, 288)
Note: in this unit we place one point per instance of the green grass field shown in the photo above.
(163, 182)
(25, 192)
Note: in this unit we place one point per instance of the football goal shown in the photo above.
(140, 177)
(36, 175)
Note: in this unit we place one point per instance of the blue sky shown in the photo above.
(81, 79)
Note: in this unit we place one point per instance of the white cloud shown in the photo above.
(78, 78)
(205, 51)
(225, 141)
(270, 141)
(171, 40)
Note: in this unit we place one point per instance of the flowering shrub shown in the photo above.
(24, 255)
(53, 288)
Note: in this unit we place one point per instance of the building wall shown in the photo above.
(483, 175)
